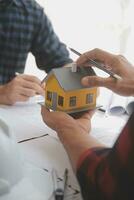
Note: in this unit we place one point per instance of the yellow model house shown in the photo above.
(64, 91)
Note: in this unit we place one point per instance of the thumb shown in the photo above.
(96, 81)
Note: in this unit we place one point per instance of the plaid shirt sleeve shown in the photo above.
(25, 28)
(48, 50)
(108, 173)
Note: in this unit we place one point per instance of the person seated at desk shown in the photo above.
(24, 28)
(103, 173)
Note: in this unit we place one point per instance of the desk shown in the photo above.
(47, 152)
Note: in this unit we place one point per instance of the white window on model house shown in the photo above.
(60, 100)
(72, 101)
(89, 98)
(49, 96)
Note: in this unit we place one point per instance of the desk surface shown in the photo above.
(47, 152)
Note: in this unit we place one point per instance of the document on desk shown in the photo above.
(106, 128)
(25, 120)
(121, 105)
(48, 154)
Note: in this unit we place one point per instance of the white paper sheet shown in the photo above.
(25, 120)
(106, 128)
(121, 105)
(48, 153)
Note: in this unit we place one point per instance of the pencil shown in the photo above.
(99, 66)
(43, 80)
(65, 179)
(17, 73)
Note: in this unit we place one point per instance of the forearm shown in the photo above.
(76, 143)
(100, 170)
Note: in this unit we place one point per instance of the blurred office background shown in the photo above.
(88, 24)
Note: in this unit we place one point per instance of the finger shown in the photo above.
(82, 115)
(96, 81)
(27, 92)
(22, 98)
(89, 114)
(95, 54)
(44, 111)
(49, 117)
(31, 78)
(43, 85)
(34, 86)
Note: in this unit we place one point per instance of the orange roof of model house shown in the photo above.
(65, 92)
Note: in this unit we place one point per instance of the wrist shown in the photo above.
(3, 95)
(71, 136)
(76, 141)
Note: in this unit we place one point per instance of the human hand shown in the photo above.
(73, 133)
(116, 63)
(21, 88)
(63, 123)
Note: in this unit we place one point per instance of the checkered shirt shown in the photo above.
(24, 28)
(108, 173)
